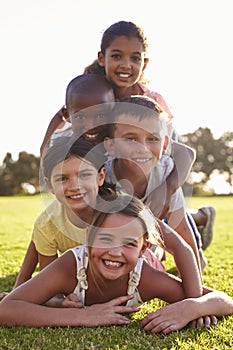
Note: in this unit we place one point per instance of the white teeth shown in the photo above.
(77, 196)
(124, 75)
(91, 136)
(112, 263)
(141, 160)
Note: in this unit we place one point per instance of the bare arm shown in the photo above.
(29, 265)
(44, 260)
(56, 122)
(176, 316)
(184, 259)
(24, 305)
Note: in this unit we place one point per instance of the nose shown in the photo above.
(84, 125)
(126, 63)
(74, 184)
(141, 146)
(90, 123)
(115, 251)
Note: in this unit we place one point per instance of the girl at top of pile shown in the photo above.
(123, 59)
(110, 278)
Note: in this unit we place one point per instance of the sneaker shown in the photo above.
(206, 231)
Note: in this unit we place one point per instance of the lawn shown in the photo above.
(16, 222)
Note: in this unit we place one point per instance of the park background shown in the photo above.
(46, 43)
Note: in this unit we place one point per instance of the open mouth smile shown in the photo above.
(141, 160)
(112, 264)
(77, 196)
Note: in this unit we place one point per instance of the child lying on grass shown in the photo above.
(111, 270)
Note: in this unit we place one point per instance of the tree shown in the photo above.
(212, 154)
(14, 173)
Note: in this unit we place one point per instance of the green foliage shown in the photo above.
(211, 154)
(16, 222)
(13, 174)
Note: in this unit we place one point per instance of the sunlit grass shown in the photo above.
(16, 223)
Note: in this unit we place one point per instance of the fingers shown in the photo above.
(214, 320)
(72, 297)
(120, 300)
(67, 303)
(164, 326)
(122, 320)
(204, 321)
(72, 301)
(164, 320)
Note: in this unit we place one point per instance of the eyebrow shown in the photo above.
(87, 169)
(109, 235)
(135, 134)
(80, 171)
(134, 52)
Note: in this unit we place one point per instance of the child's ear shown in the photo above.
(165, 145)
(48, 184)
(144, 247)
(101, 60)
(146, 61)
(101, 176)
(109, 146)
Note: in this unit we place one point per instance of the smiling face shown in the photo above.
(124, 61)
(138, 143)
(75, 183)
(88, 112)
(117, 245)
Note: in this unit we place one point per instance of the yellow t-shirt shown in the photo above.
(53, 232)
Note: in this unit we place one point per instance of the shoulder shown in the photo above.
(80, 254)
(147, 92)
(54, 209)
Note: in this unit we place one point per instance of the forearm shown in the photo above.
(185, 261)
(29, 265)
(19, 313)
(185, 231)
(55, 301)
(214, 303)
(189, 272)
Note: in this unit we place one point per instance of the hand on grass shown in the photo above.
(205, 321)
(108, 313)
(72, 301)
(167, 319)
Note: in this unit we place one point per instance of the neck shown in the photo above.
(128, 91)
(101, 290)
(138, 182)
(81, 218)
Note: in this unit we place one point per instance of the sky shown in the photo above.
(46, 43)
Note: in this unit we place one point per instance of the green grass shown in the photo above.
(16, 222)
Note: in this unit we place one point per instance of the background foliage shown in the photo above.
(213, 155)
